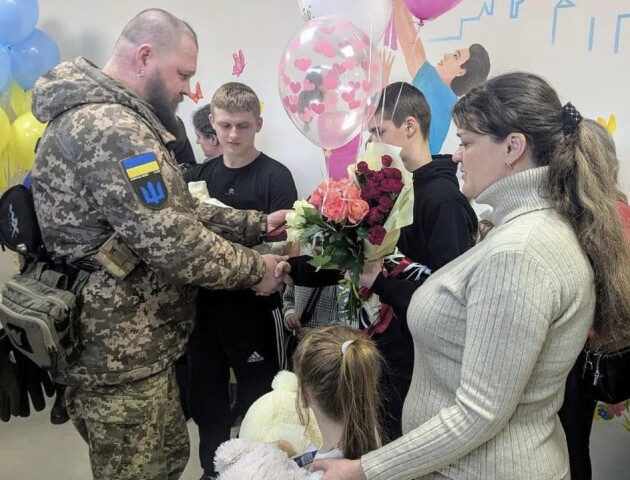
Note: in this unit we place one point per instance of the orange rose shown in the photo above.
(316, 199)
(335, 209)
(357, 209)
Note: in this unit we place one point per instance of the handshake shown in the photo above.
(277, 270)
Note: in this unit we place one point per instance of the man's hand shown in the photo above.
(276, 225)
(273, 280)
(338, 469)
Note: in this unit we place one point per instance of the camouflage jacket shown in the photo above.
(99, 148)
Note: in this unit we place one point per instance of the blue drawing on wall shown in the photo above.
(560, 5)
(487, 9)
(620, 17)
(515, 8)
(591, 34)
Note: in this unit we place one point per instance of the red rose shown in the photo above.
(390, 185)
(387, 161)
(385, 204)
(362, 167)
(374, 216)
(396, 174)
(377, 235)
(379, 176)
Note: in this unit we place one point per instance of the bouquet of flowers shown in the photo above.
(356, 219)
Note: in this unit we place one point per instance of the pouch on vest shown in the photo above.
(38, 308)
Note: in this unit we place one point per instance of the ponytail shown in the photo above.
(583, 187)
(338, 369)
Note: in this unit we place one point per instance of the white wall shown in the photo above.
(594, 79)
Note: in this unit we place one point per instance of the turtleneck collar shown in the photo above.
(515, 195)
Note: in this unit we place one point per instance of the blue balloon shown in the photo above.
(5, 70)
(33, 57)
(17, 20)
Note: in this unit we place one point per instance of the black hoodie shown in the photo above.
(444, 226)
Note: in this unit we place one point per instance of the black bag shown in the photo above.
(607, 375)
(39, 305)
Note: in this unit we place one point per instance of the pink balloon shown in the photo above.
(430, 9)
(329, 79)
(341, 157)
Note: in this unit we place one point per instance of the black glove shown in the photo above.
(10, 380)
(34, 380)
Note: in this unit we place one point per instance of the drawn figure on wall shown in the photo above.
(453, 76)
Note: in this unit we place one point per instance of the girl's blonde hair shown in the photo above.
(343, 384)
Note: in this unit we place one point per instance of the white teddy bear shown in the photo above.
(270, 433)
(273, 418)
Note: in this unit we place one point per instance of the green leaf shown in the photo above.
(320, 261)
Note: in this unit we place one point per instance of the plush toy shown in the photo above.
(240, 459)
(273, 418)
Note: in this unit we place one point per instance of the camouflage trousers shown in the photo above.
(135, 430)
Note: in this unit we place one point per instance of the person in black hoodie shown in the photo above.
(444, 226)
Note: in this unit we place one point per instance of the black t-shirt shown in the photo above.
(265, 184)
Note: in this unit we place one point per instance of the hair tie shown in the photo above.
(345, 345)
(571, 118)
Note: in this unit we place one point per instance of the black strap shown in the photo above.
(311, 303)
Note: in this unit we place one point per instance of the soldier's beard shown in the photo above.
(164, 107)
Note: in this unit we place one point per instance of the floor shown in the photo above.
(34, 449)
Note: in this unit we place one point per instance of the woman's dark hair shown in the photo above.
(580, 183)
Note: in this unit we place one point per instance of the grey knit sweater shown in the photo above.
(495, 334)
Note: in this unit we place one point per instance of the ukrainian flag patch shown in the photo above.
(143, 171)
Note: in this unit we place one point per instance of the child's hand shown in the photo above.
(370, 272)
(291, 322)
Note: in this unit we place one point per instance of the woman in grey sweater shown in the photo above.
(497, 330)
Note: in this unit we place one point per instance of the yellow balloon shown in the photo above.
(4, 170)
(5, 129)
(26, 131)
(21, 99)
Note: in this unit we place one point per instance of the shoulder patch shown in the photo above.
(143, 171)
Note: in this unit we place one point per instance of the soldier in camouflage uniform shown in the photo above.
(107, 187)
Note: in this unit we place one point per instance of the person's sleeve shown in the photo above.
(283, 193)
(167, 235)
(241, 226)
(511, 303)
(306, 275)
(450, 231)
(396, 292)
(288, 301)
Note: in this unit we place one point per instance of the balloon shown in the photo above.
(430, 9)
(26, 130)
(371, 16)
(5, 69)
(21, 99)
(329, 81)
(33, 57)
(5, 129)
(4, 174)
(17, 20)
(341, 157)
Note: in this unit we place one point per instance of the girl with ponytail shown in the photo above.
(338, 371)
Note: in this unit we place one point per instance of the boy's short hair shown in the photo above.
(400, 100)
(236, 97)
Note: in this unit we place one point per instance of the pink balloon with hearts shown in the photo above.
(329, 81)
